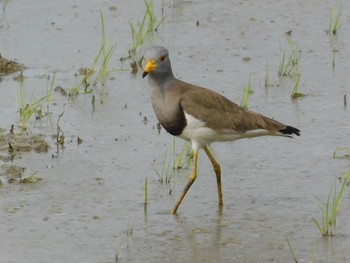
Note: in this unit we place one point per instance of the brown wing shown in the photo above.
(221, 114)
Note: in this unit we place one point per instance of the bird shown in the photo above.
(200, 115)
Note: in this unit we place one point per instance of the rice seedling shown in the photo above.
(142, 31)
(92, 76)
(4, 6)
(295, 94)
(32, 179)
(146, 193)
(178, 161)
(291, 250)
(246, 94)
(85, 82)
(48, 99)
(282, 68)
(331, 209)
(59, 132)
(267, 75)
(50, 90)
(334, 20)
(34, 106)
(107, 53)
(335, 51)
(167, 172)
(313, 257)
(345, 150)
(183, 159)
(144, 28)
(289, 66)
(129, 230)
(345, 101)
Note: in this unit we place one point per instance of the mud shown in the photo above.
(9, 66)
(84, 200)
(14, 146)
(21, 142)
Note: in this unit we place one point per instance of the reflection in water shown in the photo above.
(202, 242)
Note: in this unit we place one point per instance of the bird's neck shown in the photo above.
(159, 79)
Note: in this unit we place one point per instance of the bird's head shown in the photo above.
(157, 61)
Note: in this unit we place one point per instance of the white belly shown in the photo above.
(197, 132)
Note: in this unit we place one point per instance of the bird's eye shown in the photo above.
(162, 58)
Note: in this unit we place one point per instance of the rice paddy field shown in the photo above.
(87, 175)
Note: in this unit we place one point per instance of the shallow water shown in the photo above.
(88, 207)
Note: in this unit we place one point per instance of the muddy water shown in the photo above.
(88, 207)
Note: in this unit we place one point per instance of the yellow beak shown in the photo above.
(149, 68)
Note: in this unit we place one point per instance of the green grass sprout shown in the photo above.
(246, 94)
(129, 230)
(289, 64)
(267, 75)
(142, 31)
(94, 75)
(59, 132)
(146, 193)
(295, 94)
(34, 106)
(183, 159)
(144, 28)
(282, 68)
(334, 20)
(342, 149)
(167, 172)
(291, 250)
(172, 165)
(107, 52)
(32, 179)
(4, 7)
(331, 209)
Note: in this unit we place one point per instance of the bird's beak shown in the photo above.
(149, 68)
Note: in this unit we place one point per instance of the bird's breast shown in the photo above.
(169, 113)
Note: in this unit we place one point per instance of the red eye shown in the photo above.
(162, 58)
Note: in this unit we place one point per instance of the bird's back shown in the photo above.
(220, 113)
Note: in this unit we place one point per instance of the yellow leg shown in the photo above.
(191, 180)
(217, 171)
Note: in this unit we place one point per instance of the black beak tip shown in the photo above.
(144, 74)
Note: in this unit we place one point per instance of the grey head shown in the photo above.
(157, 63)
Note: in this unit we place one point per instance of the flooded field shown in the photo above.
(73, 172)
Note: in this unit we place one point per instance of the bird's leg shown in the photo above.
(217, 171)
(191, 180)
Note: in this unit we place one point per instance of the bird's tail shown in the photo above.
(289, 130)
